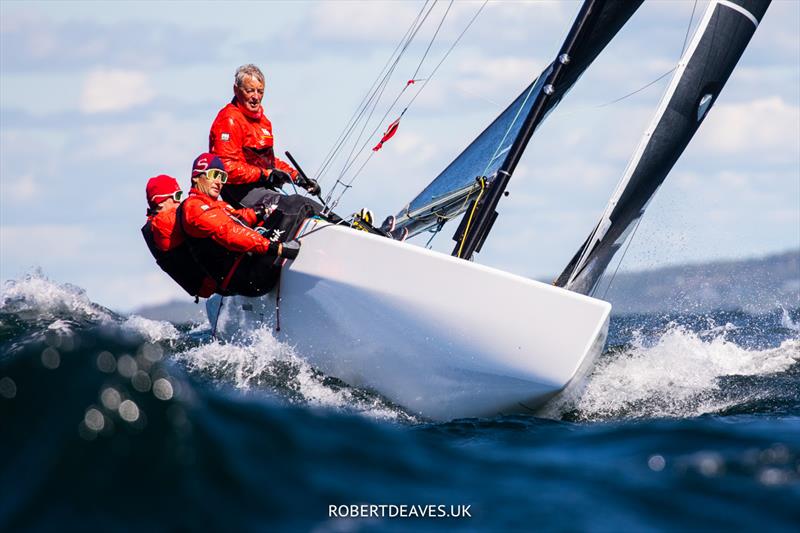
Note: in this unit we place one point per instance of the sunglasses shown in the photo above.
(216, 174)
(177, 196)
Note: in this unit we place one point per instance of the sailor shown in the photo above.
(166, 241)
(238, 258)
(242, 137)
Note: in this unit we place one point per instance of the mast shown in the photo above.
(718, 43)
(470, 235)
(475, 173)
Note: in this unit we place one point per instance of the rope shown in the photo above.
(689, 27)
(351, 160)
(374, 100)
(439, 27)
(471, 213)
(650, 83)
(640, 89)
(362, 106)
(434, 233)
(422, 88)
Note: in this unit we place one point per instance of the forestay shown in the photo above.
(718, 43)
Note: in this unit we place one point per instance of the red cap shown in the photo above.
(204, 162)
(159, 188)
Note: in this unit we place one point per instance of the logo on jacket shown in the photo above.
(225, 136)
(276, 235)
(266, 131)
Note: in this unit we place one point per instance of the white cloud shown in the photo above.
(769, 127)
(107, 90)
(21, 189)
(52, 240)
(359, 21)
(488, 77)
(161, 141)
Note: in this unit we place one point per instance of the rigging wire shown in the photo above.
(640, 89)
(389, 110)
(364, 104)
(349, 184)
(645, 86)
(430, 43)
(688, 28)
(379, 93)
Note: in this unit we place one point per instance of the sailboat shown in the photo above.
(445, 337)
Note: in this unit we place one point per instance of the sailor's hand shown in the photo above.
(289, 249)
(277, 177)
(261, 212)
(312, 187)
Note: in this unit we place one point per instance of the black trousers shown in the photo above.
(285, 213)
(257, 274)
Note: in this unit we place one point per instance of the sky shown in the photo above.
(96, 97)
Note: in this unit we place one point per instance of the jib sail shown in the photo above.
(718, 43)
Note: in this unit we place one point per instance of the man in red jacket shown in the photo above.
(166, 241)
(242, 137)
(238, 258)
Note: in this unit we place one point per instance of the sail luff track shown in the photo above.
(719, 41)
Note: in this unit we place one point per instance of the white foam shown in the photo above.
(676, 377)
(261, 357)
(152, 330)
(36, 295)
(786, 321)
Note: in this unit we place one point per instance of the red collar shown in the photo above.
(193, 192)
(255, 116)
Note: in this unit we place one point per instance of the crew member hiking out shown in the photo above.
(166, 241)
(222, 239)
(242, 137)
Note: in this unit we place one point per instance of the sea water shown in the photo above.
(110, 423)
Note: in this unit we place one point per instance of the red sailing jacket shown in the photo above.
(168, 245)
(206, 218)
(244, 142)
(166, 235)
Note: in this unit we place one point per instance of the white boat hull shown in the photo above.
(442, 337)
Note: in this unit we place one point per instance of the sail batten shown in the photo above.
(719, 41)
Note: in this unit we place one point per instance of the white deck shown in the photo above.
(443, 337)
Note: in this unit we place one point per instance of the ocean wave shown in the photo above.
(681, 374)
(152, 330)
(261, 362)
(34, 296)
